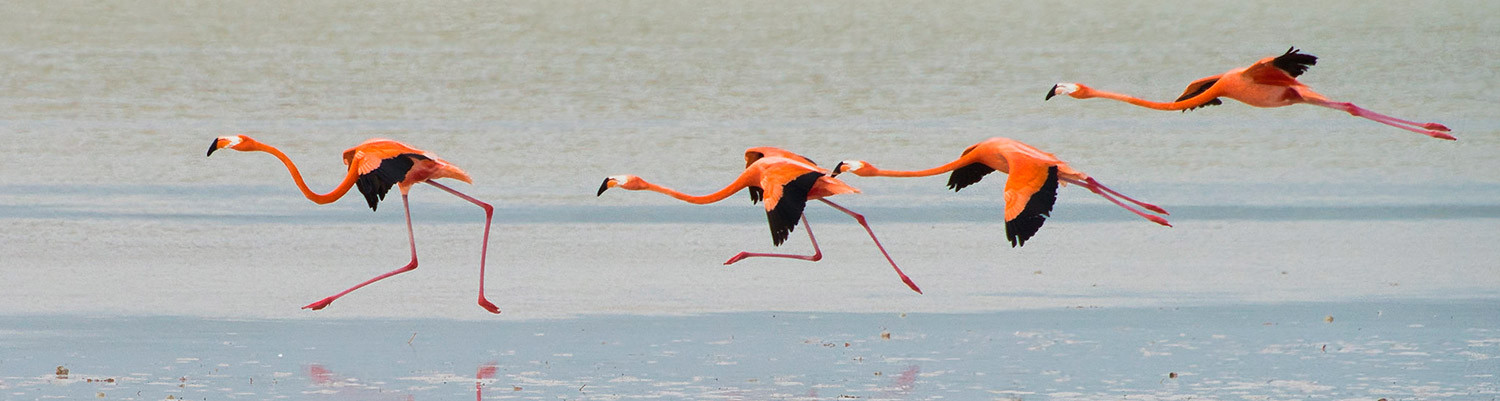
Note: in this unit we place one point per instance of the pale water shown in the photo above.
(110, 209)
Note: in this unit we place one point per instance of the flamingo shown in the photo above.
(375, 166)
(1270, 82)
(785, 182)
(1030, 189)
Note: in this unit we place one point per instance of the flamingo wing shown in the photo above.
(968, 175)
(1029, 196)
(756, 153)
(785, 201)
(1198, 87)
(971, 173)
(1294, 62)
(388, 172)
(1280, 70)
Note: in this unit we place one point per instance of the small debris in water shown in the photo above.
(1328, 319)
(885, 335)
(62, 372)
(1171, 375)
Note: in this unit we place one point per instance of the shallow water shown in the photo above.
(110, 209)
(1367, 351)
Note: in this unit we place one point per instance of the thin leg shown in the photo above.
(1090, 182)
(489, 213)
(816, 256)
(1434, 130)
(861, 219)
(1097, 189)
(410, 237)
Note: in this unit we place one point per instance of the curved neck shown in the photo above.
(329, 197)
(733, 187)
(1178, 105)
(950, 166)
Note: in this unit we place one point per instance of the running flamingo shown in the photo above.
(785, 182)
(375, 166)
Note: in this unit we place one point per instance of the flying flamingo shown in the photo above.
(1030, 191)
(375, 166)
(785, 182)
(1270, 82)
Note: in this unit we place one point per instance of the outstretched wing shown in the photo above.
(969, 174)
(1030, 193)
(1198, 87)
(1294, 62)
(376, 182)
(1281, 70)
(790, 198)
(756, 153)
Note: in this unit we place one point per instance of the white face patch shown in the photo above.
(1064, 88)
(230, 141)
(618, 180)
(853, 165)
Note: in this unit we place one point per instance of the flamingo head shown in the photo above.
(858, 167)
(1066, 88)
(629, 182)
(236, 142)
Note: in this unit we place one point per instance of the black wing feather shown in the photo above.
(755, 194)
(1021, 228)
(1194, 91)
(789, 209)
(376, 183)
(1294, 62)
(968, 175)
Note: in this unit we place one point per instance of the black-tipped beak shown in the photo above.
(213, 146)
(837, 168)
(603, 187)
(1050, 93)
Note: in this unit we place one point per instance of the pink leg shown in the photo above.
(1092, 183)
(411, 238)
(489, 213)
(1100, 190)
(1434, 130)
(861, 219)
(816, 256)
